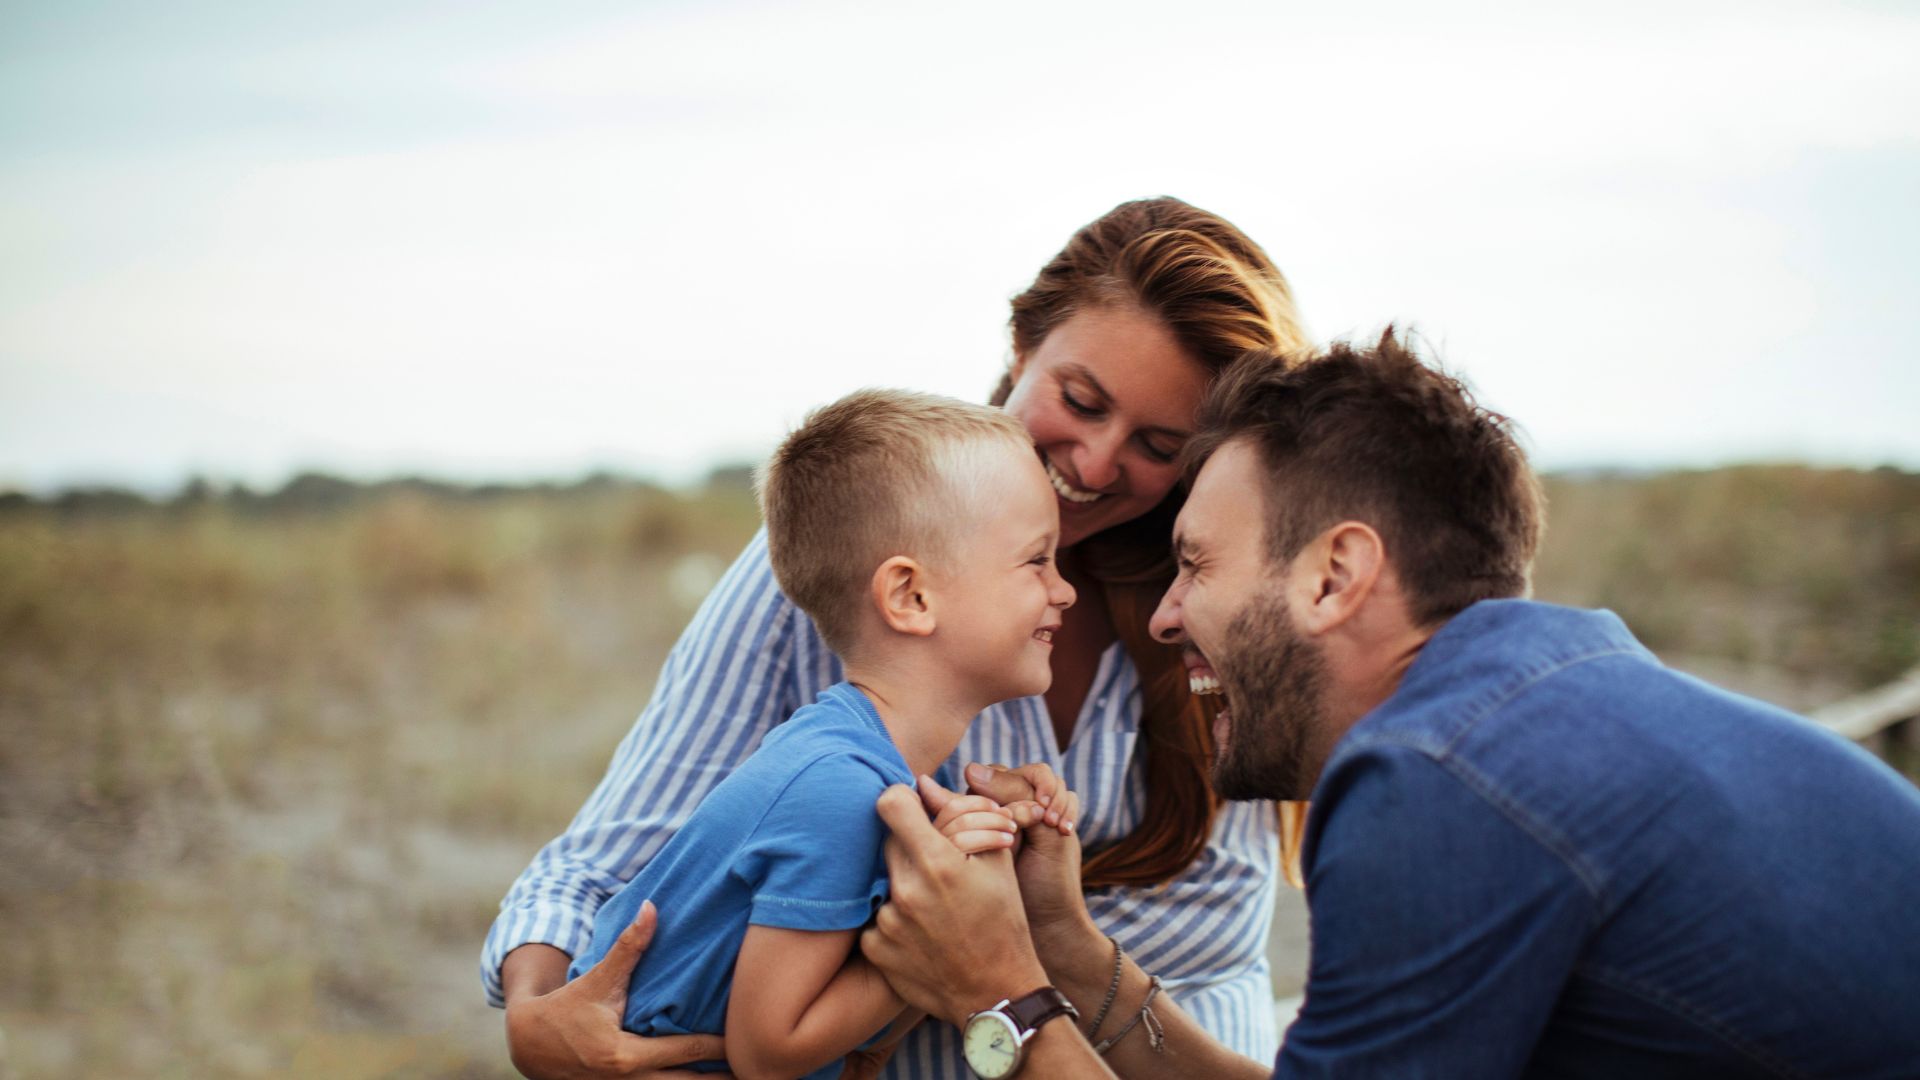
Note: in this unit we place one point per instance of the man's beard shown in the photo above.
(1276, 680)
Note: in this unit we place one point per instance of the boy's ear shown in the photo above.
(900, 595)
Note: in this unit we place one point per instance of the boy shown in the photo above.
(919, 534)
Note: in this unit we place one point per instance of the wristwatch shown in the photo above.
(995, 1040)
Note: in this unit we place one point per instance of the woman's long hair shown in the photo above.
(1221, 296)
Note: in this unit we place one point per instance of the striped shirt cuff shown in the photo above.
(557, 925)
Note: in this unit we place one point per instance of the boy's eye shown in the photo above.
(1040, 560)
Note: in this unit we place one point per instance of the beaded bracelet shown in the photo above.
(1113, 989)
(1156, 1035)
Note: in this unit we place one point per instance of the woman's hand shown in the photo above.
(1048, 867)
(573, 1030)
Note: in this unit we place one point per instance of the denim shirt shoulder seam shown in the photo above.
(1482, 785)
(1483, 789)
(1549, 839)
(1622, 982)
(1523, 679)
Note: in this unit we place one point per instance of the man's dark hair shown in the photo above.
(1373, 434)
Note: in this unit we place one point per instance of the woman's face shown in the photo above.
(1109, 397)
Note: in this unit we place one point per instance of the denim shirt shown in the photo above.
(1548, 855)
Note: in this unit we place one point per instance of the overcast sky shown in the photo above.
(526, 240)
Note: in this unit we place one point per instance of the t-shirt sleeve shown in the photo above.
(724, 686)
(814, 861)
(1443, 927)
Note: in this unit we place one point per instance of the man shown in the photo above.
(1532, 849)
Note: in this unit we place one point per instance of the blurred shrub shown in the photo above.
(268, 760)
(1812, 571)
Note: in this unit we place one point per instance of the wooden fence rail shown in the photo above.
(1879, 716)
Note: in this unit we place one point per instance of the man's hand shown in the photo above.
(952, 939)
(574, 1029)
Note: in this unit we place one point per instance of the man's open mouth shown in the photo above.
(1202, 680)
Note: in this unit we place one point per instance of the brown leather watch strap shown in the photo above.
(1037, 1008)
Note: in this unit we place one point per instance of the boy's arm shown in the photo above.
(802, 998)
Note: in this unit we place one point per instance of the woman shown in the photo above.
(1114, 344)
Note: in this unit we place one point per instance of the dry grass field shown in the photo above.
(267, 763)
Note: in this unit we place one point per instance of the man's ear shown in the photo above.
(1336, 574)
(901, 596)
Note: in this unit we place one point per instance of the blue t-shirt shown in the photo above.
(788, 839)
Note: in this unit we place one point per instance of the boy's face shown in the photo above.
(1003, 594)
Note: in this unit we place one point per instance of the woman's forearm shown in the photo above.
(1172, 1043)
(532, 971)
(1079, 961)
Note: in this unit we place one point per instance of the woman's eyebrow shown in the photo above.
(1079, 371)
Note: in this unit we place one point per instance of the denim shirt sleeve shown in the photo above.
(1443, 930)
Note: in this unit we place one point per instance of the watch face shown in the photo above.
(991, 1045)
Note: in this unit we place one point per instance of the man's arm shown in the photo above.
(800, 1001)
(1443, 926)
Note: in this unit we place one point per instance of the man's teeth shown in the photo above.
(1202, 685)
(1068, 491)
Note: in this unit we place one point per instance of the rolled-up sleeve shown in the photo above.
(723, 687)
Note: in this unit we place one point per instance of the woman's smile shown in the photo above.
(1075, 496)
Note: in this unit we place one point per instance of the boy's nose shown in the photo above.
(1063, 594)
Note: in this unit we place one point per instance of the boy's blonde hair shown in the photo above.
(864, 479)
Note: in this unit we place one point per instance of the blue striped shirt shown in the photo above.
(749, 659)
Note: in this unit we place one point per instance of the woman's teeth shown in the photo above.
(1068, 491)
(1044, 635)
(1202, 685)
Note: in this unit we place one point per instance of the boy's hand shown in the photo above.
(974, 823)
(1034, 794)
(866, 1064)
